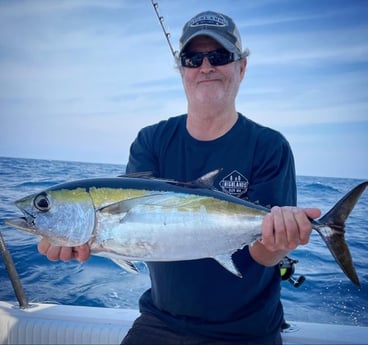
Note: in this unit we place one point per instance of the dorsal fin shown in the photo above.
(208, 180)
(140, 174)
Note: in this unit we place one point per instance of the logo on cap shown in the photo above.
(209, 19)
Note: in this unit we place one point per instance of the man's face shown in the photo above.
(208, 84)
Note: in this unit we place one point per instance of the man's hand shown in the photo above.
(283, 229)
(54, 253)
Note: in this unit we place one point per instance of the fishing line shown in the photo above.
(166, 33)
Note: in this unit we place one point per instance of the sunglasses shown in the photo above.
(217, 57)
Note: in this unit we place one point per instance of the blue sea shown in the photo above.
(325, 296)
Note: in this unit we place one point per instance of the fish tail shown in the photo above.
(331, 227)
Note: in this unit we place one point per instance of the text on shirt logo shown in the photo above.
(235, 184)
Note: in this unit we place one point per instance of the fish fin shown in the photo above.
(206, 181)
(115, 208)
(117, 259)
(126, 265)
(123, 206)
(126, 205)
(140, 174)
(227, 262)
(331, 227)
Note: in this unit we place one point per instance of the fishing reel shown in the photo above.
(287, 269)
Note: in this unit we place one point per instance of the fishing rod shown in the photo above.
(166, 33)
(13, 275)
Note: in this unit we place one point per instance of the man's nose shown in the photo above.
(206, 65)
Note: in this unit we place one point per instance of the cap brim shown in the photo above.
(220, 39)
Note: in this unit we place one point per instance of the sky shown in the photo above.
(78, 79)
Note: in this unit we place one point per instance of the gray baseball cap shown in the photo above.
(213, 24)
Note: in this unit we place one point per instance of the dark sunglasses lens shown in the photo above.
(216, 58)
(219, 58)
(192, 60)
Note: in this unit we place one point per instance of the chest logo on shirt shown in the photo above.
(235, 184)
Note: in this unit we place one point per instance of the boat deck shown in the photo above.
(63, 324)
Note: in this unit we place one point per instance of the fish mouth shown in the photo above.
(24, 223)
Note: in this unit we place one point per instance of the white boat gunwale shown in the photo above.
(65, 324)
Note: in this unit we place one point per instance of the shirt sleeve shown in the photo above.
(142, 157)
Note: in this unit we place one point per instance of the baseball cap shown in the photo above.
(213, 24)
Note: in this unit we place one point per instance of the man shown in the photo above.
(199, 302)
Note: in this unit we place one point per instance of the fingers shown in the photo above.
(55, 253)
(313, 212)
(285, 228)
(298, 227)
(82, 253)
(43, 246)
(64, 253)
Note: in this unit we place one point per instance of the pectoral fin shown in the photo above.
(126, 265)
(126, 205)
(227, 262)
(123, 263)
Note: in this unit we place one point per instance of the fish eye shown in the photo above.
(41, 202)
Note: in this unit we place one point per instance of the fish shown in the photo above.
(139, 218)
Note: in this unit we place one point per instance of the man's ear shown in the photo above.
(243, 66)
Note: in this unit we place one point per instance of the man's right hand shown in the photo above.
(55, 253)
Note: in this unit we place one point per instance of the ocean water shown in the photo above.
(325, 296)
